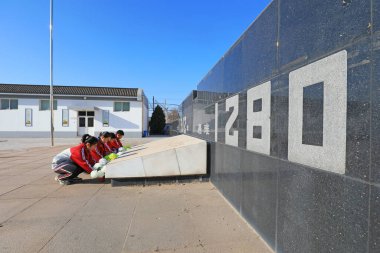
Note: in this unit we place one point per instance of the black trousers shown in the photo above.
(67, 170)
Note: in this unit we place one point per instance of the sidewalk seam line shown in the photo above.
(77, 211)
(130, 224)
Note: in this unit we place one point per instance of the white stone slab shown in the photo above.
(161, 164)
(133, 168)
(192, 159)
(164, 157)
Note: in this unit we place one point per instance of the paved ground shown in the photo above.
(39, 215)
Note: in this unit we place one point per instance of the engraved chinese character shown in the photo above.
(206, 129)
(199, 129)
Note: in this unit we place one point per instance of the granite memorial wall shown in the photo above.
(292, 116)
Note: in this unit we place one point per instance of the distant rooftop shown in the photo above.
(68, 90)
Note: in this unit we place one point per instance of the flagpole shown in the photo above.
(51, 76)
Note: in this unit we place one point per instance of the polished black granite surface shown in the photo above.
(312, 122)
(321, 212)
(311, 29)
(294, 206)
(374, 220)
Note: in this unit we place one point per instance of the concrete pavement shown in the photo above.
(39, 215)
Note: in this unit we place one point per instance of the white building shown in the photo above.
(25, 111)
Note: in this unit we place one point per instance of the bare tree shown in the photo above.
(173, 115)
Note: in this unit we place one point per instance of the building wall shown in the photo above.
(13, 121)
(145, 104)
(292, 115)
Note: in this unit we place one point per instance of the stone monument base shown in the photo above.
(170, 157)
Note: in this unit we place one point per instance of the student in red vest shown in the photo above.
(72, 161)
(101, 150)
(111, 145)
(119, 136)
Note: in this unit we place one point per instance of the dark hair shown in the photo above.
(121, 132)
(113, 136)
(105, 134)
(86, 138)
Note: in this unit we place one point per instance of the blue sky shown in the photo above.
(164, 47)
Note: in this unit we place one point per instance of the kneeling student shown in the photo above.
(101, 150)
(111, 145)
(72, 161)
(119, 136)
(115, 143)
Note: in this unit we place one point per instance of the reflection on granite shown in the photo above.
(312, 122)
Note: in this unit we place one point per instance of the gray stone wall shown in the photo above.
(292, 114)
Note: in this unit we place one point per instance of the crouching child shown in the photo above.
(73, 161)
(112, 146)
(119, 136)
(101, 150)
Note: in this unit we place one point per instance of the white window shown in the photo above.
(7, 104)
(106, 118)
(65, 117)
(121, 107)
(45, 105)
(28, 117)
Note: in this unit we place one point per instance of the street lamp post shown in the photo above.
(51, 76)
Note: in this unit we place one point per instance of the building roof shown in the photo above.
(68, 90)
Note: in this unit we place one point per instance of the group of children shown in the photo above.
(81, 158)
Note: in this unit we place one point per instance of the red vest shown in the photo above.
(82, 157)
